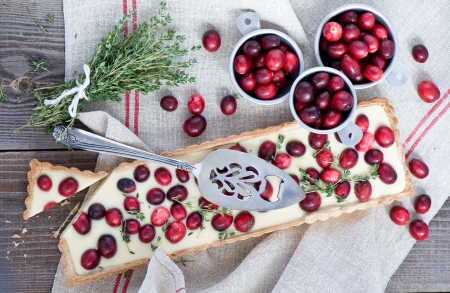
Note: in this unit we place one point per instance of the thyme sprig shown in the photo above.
(139, 215)
(159, 238)
(373, 175)
(142, 61)
(325, 146)
(279, 144)
(225, 234)
(49, 18)
(125, 236)
(38, 65)
(3, 96)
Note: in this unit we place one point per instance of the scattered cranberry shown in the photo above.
(44, 183)
(131, 204)
(49, 205)
(141, 173)
(178, 211)
(363, 122)
(324, 158)
(384, 136)
(196, 104)
(147, 233)
(295, 177)
(194, 125)
(206, 204)
(211, 40)
(313, 174)
(244, 221)
(311, 202)
(428, 91)
(267, 150)
(68, 187)
(178, 191)
(342, 189)
(363, 190)
(420, 53)
(282, 161)
(182, 175)
(238, 147)
(332, 31)
(268, 191)
(90, 259)
(366, 142)
(220, 223)
(169, 103)
(194, 221)
(373, 156)
(418, 230)
(422, 204)
(228, 105)
(175, 232)
(107, 246)
(348, 158)
(295, 148)
(387, 173)
(330, 175)
(82, 224)
(126, 185)
(113, 217)
(155, 196)
(418, 168)
(160, 216)
(132, 226)
(96, 211)
(317, 141)
(163, 176)
(399, 215)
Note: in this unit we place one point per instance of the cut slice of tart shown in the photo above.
(49, 185)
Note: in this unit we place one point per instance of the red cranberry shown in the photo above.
(267, 150)
(194, 221)
(320, 80)
(82, 224)
(247, 81)
(279, 76)
(155, 196)
(291, 62)
(126, 185)
(386, 49)
(309, 114)
(206, 204)
(275, 59)
(268, 191)
(295, 177)
(159, 216)
(373, 156)
(107, 246)
(418, 230)
(384, 136)
(241, 64)
(336, 83)
(313, 174)
(244, 221)
(387, 173)
(178, 211)
(228, 105)
(358, 49)
(147, 233)
(132, 226)
(332, 118)
(50, 205)
(182, 175)
(163, 176)
(263, 75)
(238, 147)
(420, 53)
(350, 16)
(418, 168)
(332, 31)
(350, 66)
(295, 148)
(131, 204)
(371, 42)
(363, 122)
(251, 48)
(342, 190)
(283, 47)
(330, 175)
(282, 161)
(348, 158)
(220, 223)
(96, 211)
(422, 203)
(304, 92)
(169, 103)
(337, 50)
(317, 141)
(175, 232)
(266, 91)
(44, 183)
(269, 41)
(428, 91)
(366, 142)
(363, 190)
(113, 217)
(378, 61)
(350, 33)
(260, 61)
(342, 100)
(178, 191)
(141, 173)
(323, 100)
(196, 104)
(366, 20)
(211, 40)
(399, 215)
(90, 259)
(311, 202)
(324, 158)
(373, 72)
(380, 31)
(68, 187)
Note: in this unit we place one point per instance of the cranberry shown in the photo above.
(317, 140)
(131, 204)
(384, 136)
(371, 42)
(275, 59)
(96, 211)
(363, 190)
(163, 176)
(244, 221)
(378, 61)
(147, 233)
(373, 156)
(141, 173)
(282, 161)
(337, 50)
(399, 215)
(320, 80)
(309, 114)
(169, 103)
(422, 203)
(268, 191)
(332, 31)
(342, 190)
(247, 81)
(311, 202)
(330, 175)
(175, 232)
(332, 118)
(283, 47)
(266, 91)
(220, 223)
(211, 40)
(269, 41)
(418, 230)
(263, 75)
(323, 100)
(350, 16)
(267, 150)
(363, 122)
(350, 33)
(251, 48)
(44, 183)
(387, 49)
(126, 185)
(336, 83)
(387, 173)
(324, 158)
(295, 177)
(366, 20)
(178, 211)
(132, 226)
(348, 158)
(350, 66)
(178, 191)
(68, 187)
(366, 142)
(418, 168)
(113, 217)
(159, 216)
(107, 246)
(342, 100)
(279, 76)
(295, 148)
(313, 174)
(182, 175)
(291, 62)
(196, 104)
(380, 31)
(420, 53)
(358, 49)
(373, 72)
(228, 105)
(49, 205)
(428, 91)
(238, 147)
(260, 61)
(90, 259)
(155, 196)
(82, 224)
(241, 64)
(194, 221)
(304, 92)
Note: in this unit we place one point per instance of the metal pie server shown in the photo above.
(225, 177)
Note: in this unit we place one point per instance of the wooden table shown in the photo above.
(29, 263)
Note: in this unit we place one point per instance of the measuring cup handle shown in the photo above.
(248, 22)
(398, 76)
(350, 134)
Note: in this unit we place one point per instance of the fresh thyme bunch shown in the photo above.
(143, 61)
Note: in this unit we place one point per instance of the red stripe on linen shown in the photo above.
(426, 117)
(136, 113)
(426, 130)
(179, 290)
(116, 285)
(133, 5)
(127, 281)
(125, 8)
(127, 109)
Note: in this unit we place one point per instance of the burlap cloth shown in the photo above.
(357, 252)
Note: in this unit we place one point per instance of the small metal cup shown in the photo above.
(249, 25)
(396, 74)
(349, 133)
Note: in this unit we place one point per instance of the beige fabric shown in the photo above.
(358, 252)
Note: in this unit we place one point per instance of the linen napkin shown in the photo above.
(353, 253)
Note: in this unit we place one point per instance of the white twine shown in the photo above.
(78, 91)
